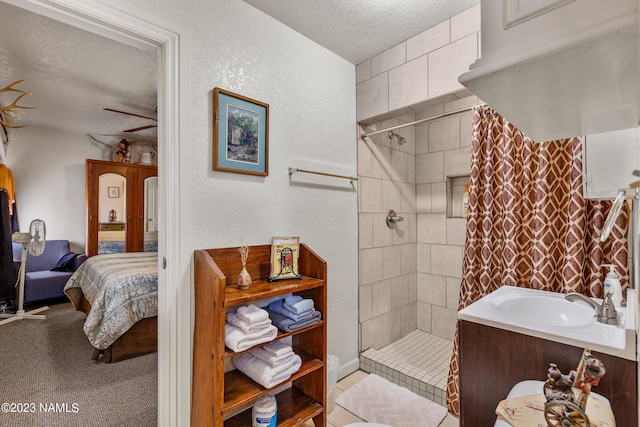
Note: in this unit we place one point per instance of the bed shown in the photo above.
(119, 295)
(112, 242)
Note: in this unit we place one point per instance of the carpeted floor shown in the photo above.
(47, 371)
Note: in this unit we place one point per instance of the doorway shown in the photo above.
(122, 23)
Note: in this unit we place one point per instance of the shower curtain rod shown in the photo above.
(439, 116)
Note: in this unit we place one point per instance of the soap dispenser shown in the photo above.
(612, 285)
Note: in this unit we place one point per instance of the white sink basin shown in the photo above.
(545, 310)
(550, 316)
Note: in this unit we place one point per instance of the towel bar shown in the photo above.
(294, 170)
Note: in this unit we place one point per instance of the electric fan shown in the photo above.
(34, 242)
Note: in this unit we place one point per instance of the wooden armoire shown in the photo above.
(132, 224)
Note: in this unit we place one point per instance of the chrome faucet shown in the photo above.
(605, 313)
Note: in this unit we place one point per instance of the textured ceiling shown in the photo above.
(73, 74)
(359, 29)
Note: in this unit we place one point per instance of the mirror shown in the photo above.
(151, 214)
(112, 211)
(609, 160)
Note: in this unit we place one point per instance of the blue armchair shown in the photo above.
(40, 282)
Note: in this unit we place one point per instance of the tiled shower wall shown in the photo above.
(410, 276)
(421, 69)
(443, 149)
(387, 292)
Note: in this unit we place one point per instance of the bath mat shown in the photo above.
(377, 400)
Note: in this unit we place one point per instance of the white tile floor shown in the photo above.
(418, 361)
(340, 417)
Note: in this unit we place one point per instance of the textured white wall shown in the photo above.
(48, 168)
(311, 95)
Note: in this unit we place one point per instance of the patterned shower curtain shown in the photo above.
(528, 224)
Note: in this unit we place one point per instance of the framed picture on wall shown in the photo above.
(240, 134)
(114, 192)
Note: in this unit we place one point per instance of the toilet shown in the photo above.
(367, 425)
(525, 388)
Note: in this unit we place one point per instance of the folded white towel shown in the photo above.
(297, 305)
(260, 371)
(252, 313)
(277, 348)
(235, 320)
(238, 340)
(271, 359)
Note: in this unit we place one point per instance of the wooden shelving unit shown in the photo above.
(218, 396)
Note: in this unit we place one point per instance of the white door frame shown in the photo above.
(126, 23)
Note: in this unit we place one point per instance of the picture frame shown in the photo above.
(113, 192)
(240, 134)
(284, 258)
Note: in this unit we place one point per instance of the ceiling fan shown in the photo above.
(153, 125)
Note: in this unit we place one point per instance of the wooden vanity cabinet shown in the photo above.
(493, 360)
(224, 399)
(134, 222)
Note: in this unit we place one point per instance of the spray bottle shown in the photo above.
(612, 285)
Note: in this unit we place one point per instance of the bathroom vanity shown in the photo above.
(498, 350)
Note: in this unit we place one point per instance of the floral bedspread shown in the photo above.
(122, 289)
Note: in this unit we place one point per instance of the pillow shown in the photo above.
(65, 263)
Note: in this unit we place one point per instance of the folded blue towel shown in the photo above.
(296, 304)
(278, 307)
(287, 324)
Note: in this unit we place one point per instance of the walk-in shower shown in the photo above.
(410, 249)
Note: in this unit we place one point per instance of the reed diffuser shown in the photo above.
(244, 278)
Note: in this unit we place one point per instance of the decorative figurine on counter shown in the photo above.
(564, 407)
(244, 278)
(593, 370)
(559, 385)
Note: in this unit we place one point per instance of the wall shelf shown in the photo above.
(455, 193)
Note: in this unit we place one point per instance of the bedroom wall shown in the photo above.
(48, 168)
(311, 95)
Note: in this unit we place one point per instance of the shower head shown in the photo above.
(401, 139)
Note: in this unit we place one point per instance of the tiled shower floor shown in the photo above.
(418, 361)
